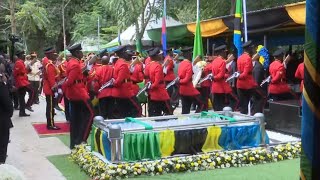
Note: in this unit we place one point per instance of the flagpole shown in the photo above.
(198, 10)
(164, 29)
(98, 33)
(244, 4)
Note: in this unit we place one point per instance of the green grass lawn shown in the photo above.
(70, 170)
(66, 139)
(284, 170)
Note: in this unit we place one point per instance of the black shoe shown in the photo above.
(16, 108)
(58, 108)
(53, 128)
(24, 115)
(37, 102)
(29, 109)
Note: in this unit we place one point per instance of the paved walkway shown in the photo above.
(28, 152)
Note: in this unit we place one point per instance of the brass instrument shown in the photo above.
(266, 80)
(135, 61)
(107, 84)
(175, 81)
(197, 71)
(208, 77)
(59, 83)
(234, 75)
(146, 87)
(286, 61)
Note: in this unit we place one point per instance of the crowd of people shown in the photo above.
(113, 79)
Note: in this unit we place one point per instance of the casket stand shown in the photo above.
(136, 139)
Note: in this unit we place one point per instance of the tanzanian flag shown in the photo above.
(310, 130)
(237, 27)
(164, 29)
(198, 46)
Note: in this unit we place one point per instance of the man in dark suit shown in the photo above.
(259, 96)
(6, 111)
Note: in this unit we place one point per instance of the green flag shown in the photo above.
(139, 45)
(198, 46)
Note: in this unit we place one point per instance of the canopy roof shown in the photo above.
(128, 36)
(288, 16)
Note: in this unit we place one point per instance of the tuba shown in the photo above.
(198, 66)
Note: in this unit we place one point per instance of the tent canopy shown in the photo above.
(292, 15)
(128, 36)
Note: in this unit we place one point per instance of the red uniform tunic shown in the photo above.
(300, 74)
(49, 77)
(147, 61)
(146, 69)
(103, 75)
(207, 70)
(92, 74)
(219, 84)
(62, 68)
(158, 90)
(74, 87)
(185, 74)
(45, 61)
(136, 77)
(122, 85)
(278, 84)
(170, 66)
(245, 67)
(20, 74)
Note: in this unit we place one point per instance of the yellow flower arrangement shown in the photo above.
(98, 169)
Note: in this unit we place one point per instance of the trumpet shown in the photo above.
(146, 87)
(208, 77)
(175, 81)
(107, 84)
(135, 61)
(59, 83)
(286, 61)
(234, 75)
(266, 80)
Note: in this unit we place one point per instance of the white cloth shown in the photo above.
(34, 75)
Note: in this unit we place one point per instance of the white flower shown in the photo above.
(222, 166)
(227, 165)
(218, 159)
(152, 168)
(10, 172)
(124, 172)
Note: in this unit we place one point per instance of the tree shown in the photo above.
(185, 10)
(31, 18)
(12, 16)
(133, 12)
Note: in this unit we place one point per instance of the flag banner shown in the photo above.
(164, 29)
(198, 46)
(237, 27)
(310, 130)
